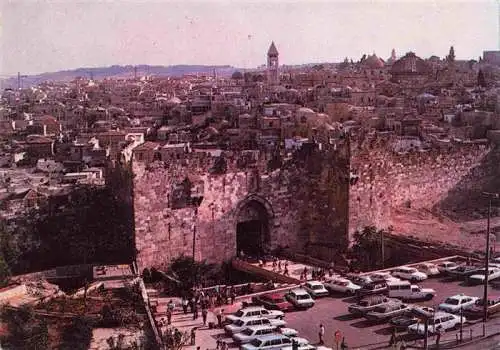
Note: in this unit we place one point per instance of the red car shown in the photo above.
(273, 301)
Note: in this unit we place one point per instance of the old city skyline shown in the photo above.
(45, 36)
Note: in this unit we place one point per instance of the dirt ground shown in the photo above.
(426, 225)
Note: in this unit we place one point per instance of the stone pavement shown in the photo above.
(294, 268)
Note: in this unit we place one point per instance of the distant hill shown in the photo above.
(117, 72)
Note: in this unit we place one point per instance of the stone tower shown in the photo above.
(272, 65)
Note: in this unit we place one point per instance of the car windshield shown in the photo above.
(317, 287)
(303, 297)
(239, 314)
(256, 342)
(364, 303)
(343, 283)
(239, 323)
(451, 301)
(278, 300)
(379, 309)
(247, 331)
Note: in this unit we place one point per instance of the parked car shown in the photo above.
(268, 342)
(479, 277)
(409, 273)
(251, 311)
(289, 332)
(441, 320)
(463, 272)
(403, 322)
(250, 333)
(273, 301)
(386, 312)
(372, 288)
(341, 285)
(238, 325)
(476, 310)
(368, 304)
(429, 269)
(300, 298)
(445, 266)
(406, 291)
(316, 289)
(359, 280)
(383, 277)
(454, 303)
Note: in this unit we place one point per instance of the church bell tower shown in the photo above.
(272, 65)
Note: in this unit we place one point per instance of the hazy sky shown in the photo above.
(41, 36)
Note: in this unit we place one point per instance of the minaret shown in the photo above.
(272, 65)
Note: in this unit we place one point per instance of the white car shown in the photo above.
(454, 303)
(289, 332)
(479, 277)
(251, 311)
(407, 291)
(409, 273)
(429, 269)
(242, 323)
(316, 289)
(446, 266)
(383, 277)
(250, 333)
(268, 342)
(341, 285)
(300, 298)
(441, 320)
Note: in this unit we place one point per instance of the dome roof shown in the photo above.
(374, 62)
(410, 64)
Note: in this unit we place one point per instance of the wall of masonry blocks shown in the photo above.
(163, 233)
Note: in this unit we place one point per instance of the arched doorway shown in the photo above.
(252, 226)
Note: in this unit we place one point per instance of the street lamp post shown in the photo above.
(487, 260)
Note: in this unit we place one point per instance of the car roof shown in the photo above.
(441, 314)
(262, 326)
(339, 279)
(312, 283)
(299, 291)
(272, 336)
(461, 296)
(274, 295)
(251, 308)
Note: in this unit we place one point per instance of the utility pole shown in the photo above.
(487, 260)
(382, 247)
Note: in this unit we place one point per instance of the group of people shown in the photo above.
(321, 336)
(316, 273)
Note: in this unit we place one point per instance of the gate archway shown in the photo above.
(254, 218)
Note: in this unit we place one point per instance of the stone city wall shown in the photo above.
(420, 180)
(165, 230)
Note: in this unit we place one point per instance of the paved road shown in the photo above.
(332, 313)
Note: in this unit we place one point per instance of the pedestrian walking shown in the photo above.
(220, 315)
(193, 336)
(169, 317)
(321, 334)
(204, 314)
(195, 312)
(233, 295)
(392, 339)
(184, 303)
(343, 345)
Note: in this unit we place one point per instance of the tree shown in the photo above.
(367, 248)
(184, 273)
(78, 335)
(4, 272)
(237, 76)
(24, 330)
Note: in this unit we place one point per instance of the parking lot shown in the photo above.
(332, 313)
